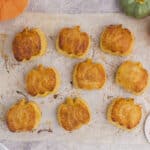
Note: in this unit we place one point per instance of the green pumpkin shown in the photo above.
(136, 8)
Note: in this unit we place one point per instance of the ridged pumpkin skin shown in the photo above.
(10, 9)
(136, 8)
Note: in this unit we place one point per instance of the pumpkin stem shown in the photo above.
(140, 1)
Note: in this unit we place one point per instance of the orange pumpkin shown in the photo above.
(11, 8)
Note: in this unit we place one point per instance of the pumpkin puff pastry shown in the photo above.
(42, 81)
(73, 114)
(88, 75)
(117, 40)
(132, 77)
(124, 113)
(29, 44)
(72, 42)
(23, 116)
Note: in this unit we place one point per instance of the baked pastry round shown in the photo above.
(23, 116)
(72, 42)
(89, 75)
(132, 77)
(73, 114)
(117, 40)
(29, 44)
(42, 81)
(124, 113)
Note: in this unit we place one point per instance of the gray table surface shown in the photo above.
(71, 6)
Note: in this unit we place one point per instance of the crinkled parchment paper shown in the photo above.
(12, 77)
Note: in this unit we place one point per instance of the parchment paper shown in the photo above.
(99, 130)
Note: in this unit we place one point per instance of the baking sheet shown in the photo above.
(12, 77)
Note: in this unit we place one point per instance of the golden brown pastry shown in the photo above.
(23, 116)
(132, 77)
(72, 42)
(124, 113)
(73, 114)
(29, 44)
(117, 40)
(42, 81)
(89, 75)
